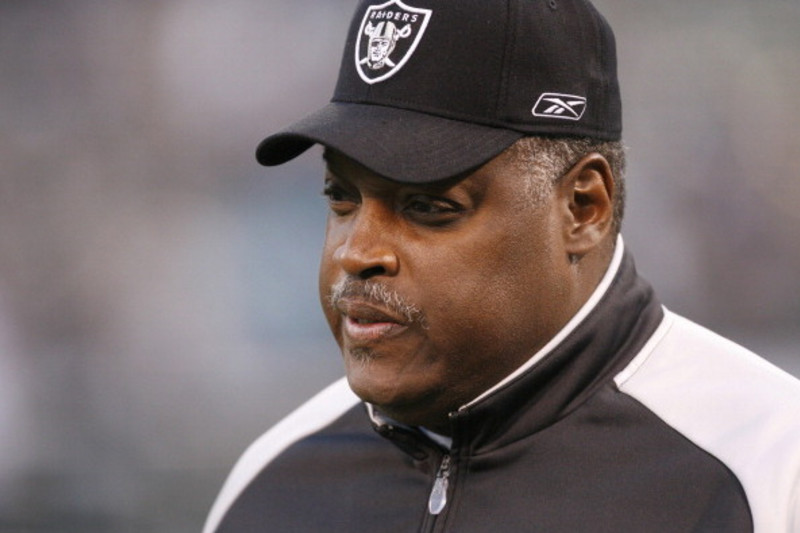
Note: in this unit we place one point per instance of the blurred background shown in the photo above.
(158, 305)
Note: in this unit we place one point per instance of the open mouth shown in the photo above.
(365, 323)
(363, 331)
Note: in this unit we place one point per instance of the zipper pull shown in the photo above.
(438, 498)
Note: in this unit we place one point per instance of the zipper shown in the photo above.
(438, 498)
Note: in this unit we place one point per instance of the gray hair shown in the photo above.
(544, 160)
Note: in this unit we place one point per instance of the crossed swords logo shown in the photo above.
(387, 38)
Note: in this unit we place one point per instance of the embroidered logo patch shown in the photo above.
(565, 106)
(389, 34)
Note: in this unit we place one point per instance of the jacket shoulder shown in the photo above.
(733, 404)
(318, 412)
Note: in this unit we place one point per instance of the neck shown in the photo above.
(604, 271)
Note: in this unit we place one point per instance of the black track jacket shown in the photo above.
(632, 419)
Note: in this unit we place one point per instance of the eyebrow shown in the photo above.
(329, 164)
(326, 154)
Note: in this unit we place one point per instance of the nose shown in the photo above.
(367, 250)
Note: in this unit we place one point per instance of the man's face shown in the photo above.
(379, 49)
(439, 290)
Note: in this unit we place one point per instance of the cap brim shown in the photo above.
(401, 145)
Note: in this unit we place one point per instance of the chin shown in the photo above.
(383, 392)
(410, 405)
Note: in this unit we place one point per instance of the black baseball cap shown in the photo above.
(430, 89)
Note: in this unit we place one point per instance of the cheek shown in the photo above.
(329, 271)
(327, 277)
(494, 293)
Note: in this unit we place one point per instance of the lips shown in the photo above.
(366, 323)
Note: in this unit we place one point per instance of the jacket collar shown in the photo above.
(599, 340)
(597, 343)
(598, 294)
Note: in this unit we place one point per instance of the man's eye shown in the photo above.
(334, 193)
(432, 210)
(339, 199)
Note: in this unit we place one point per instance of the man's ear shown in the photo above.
(586, 192)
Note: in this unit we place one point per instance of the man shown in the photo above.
(507, 370)
(382, 41)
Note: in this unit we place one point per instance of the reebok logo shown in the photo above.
(563, 106)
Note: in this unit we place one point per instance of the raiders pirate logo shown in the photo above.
(389, 34)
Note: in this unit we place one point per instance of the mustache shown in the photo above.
(375, 293)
